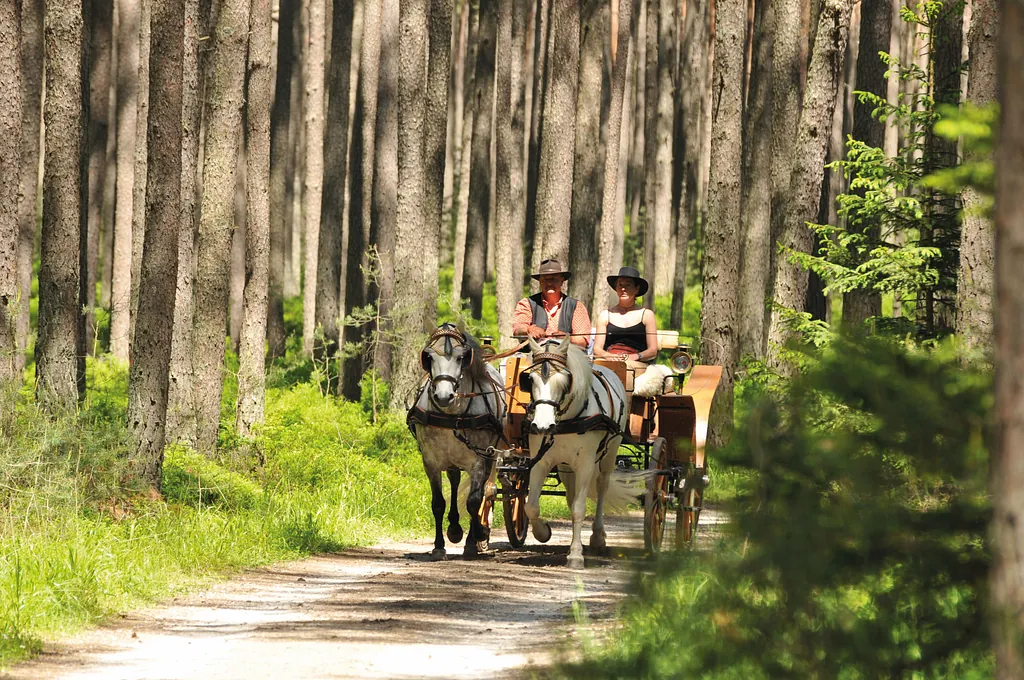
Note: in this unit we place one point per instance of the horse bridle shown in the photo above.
(540, 359)
(449, 333)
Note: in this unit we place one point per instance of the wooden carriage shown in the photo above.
(667, 436)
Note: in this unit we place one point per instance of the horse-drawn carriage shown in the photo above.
(558, 419)
(665, 435)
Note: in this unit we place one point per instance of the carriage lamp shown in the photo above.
(681, 361)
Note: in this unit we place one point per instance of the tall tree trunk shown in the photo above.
(236, 286)
(361, 214)
(127, 87)
(385, 190)
(480, 164)
(977, 238)
(650, 145)
(612, 156)
(755, 213)
(60, 319)
(1007, 484)
(721, 276)
(335, 153)
(280, 115)
(413, 293)
(182, 406)
(625, 155)
(296, 157)
(314, 170)
(151, 346)
(637, 180)
(588, 164)
(554, 192)
(875, 27)
(251, 344)
(438, 104)
(101, 20)
(10, 166)
(662, 274)
(31, 63)
(223, 114)
(541, 74)
(808, 163)
(465, 157)
(106, 269)
(505, 164)
(139, 188)
(522, 90)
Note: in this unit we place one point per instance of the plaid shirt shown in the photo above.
(523, 317)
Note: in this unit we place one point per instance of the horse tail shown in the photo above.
(624, 488)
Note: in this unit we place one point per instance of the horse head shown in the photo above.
(449, 354)
(552, 381)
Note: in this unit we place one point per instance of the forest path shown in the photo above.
(380, 612)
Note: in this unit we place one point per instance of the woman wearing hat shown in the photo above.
(627, 331)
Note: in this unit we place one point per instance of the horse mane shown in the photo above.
(578, 363)
(477, 369)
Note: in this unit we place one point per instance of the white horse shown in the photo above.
(459, 412)
(577, 416)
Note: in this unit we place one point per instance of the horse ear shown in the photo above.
(425, 360)
(534, 347)
(525, 382)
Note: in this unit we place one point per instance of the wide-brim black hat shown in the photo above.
(551, 266)
(630, 273)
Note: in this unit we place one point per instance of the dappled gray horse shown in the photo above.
(459, 412)
(576, 418)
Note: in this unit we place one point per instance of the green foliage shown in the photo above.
(858, 548)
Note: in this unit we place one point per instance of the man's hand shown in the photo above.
(535, 332)
(556, 334)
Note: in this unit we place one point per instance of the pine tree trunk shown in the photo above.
(721, 276)
(610, 214)
(314, 169)
(554, 191)
(182, 406)
(296, 157)
(786, 69)
(435, 136)
(808, 163)
(875, 27)
(151, 348)
(588, 163)
(638, 147)
(251, 344)
(413, 293)
(756, 240)
(385, 190)
(279, 117)
(139, 183)
(127, 86)
(236, 287)
(465, 158)
(603, 296)
(505, 164)
(335, 153)
(361, 213)
(223, 115)
(650, 174)
(10, 152)
(1006, 480)
(106, 268)
(99, 31)
(662, 274)
(480, 164)
(977, 238)
(60, 319)
(541, 74)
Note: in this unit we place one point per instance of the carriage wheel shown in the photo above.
(656, 497)
(514, 489)
(688, 513)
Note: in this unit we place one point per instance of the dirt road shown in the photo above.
(381, 612)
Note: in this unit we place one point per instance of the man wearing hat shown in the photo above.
(627, 331)
(552, 313)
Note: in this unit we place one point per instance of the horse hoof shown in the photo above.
(454, 533)
(482, 546)
(574, 563)
(470, 551)
(542, 532)
(438, 554)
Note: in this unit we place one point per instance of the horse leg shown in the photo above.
(568, 478)
(598, 537)
(479, 535)
(541, 529)
(579, 512)
(437, 505)
(454, 528)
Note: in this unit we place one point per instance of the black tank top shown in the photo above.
(634, 336)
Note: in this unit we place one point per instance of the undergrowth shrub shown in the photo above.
(857, 550)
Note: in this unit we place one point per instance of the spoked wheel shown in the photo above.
(656, 497)
(514, 488)
(688, 509)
